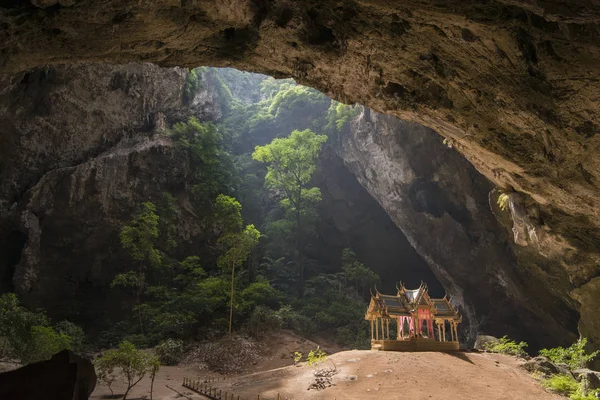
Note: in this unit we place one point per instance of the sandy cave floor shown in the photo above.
(362, 375)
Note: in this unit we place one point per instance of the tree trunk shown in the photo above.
(138, 294)
(152, 383)
(299, 255)
(139, 304)
(231, 299)
(126, 392)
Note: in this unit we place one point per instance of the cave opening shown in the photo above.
(87, 139)
(159, 152)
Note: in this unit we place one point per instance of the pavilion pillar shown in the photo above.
(444, 331)
(456, 331)
(377, 328)
(439, 330)
(398, 337)
(388, 328)
(452, 330)
(371, 329)
(415, 323)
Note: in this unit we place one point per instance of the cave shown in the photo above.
(466, 101)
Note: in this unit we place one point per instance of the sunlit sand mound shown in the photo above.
(393, 375)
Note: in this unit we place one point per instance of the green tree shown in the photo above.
(139, 238)
(28, 336)
(126, 361)
(291, 163)
(357, 273)
(45, 342)
(237, 242)
(575, 356)
(212, 169)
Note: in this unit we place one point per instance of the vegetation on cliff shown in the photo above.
(250, 172)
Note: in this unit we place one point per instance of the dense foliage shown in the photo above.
(249, 186)
(575, 356)
(265, 151)
(30, 336)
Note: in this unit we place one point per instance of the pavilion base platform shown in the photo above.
(413, 345)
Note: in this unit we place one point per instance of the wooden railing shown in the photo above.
(208, 389)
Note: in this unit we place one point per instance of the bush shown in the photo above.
(316, 357)
(295, 321)
(28, 336)
(591, 395)
(508, 347)
(561, 384)
(566, 385)
(44, 343)
(264, 319)
(75, 333)
(170, 351)
(575, 356)
(126, 361)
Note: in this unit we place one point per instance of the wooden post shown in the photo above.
(444, 330)
(456, 331)
(388, 328)
(377, 328)
(372, 330)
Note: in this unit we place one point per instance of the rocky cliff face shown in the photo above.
(448, 212)
(350, 217)
(82, 147)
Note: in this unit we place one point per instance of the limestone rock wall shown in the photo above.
(443, 206)
(82, 147)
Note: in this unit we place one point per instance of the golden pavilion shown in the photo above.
(422, 323)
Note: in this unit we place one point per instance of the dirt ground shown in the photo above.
(280, 353)
(361, 375)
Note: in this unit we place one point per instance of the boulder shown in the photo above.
(563, 369)
(483, 341)
(541, 365)
(590, 379)
(66, 376)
